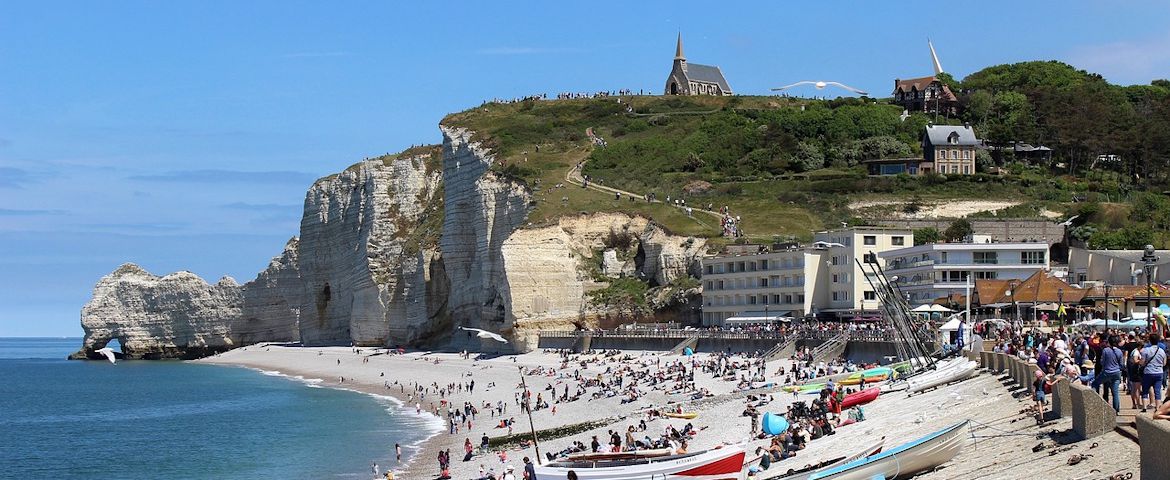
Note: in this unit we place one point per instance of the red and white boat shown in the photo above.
(716, 464)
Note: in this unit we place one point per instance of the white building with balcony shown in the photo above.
(850, 294)
(819, 279)
(928, 272)
(775, 283)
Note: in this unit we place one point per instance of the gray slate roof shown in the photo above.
(708, 74)
(938, 134)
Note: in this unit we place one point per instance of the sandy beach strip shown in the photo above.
(1001, 447)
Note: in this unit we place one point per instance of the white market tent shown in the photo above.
(950, 330)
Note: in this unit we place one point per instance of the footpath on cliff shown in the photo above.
(1003, 433)
(574, 176)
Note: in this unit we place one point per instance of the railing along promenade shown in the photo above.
(853, 335)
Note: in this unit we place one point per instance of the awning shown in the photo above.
(759, 318)
(940, 309)
(924, 308)
(1048, 306)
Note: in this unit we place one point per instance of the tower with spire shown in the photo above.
(694, 79)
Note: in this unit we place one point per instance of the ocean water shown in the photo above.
(168, 419)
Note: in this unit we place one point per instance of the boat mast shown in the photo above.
(528, 408)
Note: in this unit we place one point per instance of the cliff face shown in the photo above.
(358, 273)
(360, 282)
(482, 210)
(548, 269)
(393, 251)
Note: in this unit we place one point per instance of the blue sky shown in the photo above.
(182, 135)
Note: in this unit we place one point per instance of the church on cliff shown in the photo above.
(694, 79)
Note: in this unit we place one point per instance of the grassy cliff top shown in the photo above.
(787, 166)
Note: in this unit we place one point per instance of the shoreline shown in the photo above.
(410, 451)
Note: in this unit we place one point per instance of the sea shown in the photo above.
(62, 419)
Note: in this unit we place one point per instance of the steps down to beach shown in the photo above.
(831, 349)
(691, 342)
(1127, 423)
(782, 350)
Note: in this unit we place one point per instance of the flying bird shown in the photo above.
(486, 334)
(109, 353)
(821, 84)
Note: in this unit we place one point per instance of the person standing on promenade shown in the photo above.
(1109, 369)
(1153, 362)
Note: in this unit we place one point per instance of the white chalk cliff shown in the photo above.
(396, 251)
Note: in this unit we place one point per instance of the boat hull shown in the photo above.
(860, 398)
(906, 460)
(719, 464)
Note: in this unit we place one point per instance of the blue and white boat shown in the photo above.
(905, 460)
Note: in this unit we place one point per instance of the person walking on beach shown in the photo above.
(398, 452)
(374, 467)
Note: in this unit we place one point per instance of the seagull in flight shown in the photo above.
(109, 353)
(825, 245)
(486, 334)
(821, 84)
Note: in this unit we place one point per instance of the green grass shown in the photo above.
(751, 151)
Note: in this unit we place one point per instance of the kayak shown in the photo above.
(807, 388)
(860, 398)
(686, 415)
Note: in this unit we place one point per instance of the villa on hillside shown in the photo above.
(951, 148)
(694, 79)
(946, 149)
(925, 94)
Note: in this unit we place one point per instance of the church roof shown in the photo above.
(707, 74)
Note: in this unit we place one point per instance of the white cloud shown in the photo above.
(1126, 62)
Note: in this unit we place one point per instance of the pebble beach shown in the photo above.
(1004, 434)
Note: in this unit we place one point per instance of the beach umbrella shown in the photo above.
(774, 424)
(486, 334)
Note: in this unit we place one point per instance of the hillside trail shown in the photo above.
(574, 177)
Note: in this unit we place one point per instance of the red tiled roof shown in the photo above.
(1039, 288)
(920, 84)
(1128, 292)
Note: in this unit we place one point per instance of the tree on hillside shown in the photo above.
(923, 236)
(958, 230)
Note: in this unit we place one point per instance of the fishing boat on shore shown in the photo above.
(716, 464)
(806, 472)
(905, 460)
(951, 371)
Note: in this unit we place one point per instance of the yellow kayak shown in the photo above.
(686, 415)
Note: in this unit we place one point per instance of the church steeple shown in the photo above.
(678, 52)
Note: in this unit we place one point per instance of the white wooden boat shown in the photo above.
(905, 460)
(950, 373)
(717, 464)
(805, 473)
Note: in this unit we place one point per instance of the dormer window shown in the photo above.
(953, 138)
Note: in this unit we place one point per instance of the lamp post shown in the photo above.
(1107, 288)
(1060, 305)
(1148, 259)
(1015, 306)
